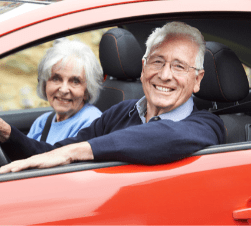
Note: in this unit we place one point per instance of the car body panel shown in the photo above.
(61, 9)
(133, 194)
(202, 189)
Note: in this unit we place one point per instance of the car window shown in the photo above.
(18, 78)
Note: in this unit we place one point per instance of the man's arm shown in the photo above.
(151, 143)
(60, 156)
(160, 142)
(5, 131)
(19, 146)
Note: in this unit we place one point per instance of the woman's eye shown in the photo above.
(76, 81)
(55, 79)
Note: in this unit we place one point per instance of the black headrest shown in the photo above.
(120, 54)
(225, 79)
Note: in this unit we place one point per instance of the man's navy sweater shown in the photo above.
(119, 135)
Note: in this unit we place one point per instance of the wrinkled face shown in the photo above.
(66, 90)
(165, 90)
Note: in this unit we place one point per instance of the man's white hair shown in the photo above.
(174, 29)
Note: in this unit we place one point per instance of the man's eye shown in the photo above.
(179, 66)
(158, 62)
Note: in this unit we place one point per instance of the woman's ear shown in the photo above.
(86, 96)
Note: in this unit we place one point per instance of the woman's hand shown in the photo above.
(5, 131)
(60, 156)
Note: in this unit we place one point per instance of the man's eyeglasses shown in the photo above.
(178, 67)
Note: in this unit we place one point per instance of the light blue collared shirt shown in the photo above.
(175, 115)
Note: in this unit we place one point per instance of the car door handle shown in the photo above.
(242, 214)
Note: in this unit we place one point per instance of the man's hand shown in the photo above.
(60, 156)
(5, 131)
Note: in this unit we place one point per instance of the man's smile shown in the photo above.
(163, 89)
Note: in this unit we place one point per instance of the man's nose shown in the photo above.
(166, 73)
(64, 87)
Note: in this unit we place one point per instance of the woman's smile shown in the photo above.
(66, 90)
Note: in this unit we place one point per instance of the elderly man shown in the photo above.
(161, 127)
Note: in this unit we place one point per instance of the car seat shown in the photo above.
(120, 56)
(225, 84)
(225, 80)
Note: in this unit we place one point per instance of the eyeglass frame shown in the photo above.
(176, 72)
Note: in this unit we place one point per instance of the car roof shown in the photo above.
(64, 8)
(134, 10)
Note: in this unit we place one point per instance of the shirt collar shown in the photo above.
(175, 115)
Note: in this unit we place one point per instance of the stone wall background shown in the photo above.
(18, 73)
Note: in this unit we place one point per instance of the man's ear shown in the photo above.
(198, 79)
(143, 67)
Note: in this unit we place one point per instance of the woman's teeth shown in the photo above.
(64, 100)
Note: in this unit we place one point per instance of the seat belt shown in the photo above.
(240, 108)
(47, 127)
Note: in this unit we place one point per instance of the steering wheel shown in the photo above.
(3, 158)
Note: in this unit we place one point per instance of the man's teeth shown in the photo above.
(163, 89)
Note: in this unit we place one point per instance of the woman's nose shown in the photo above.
(64, 87)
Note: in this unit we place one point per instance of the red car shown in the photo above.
(211, 187)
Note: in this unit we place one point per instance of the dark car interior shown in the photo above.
(224, 89)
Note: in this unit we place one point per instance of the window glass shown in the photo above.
(9, 9)
(8, 6)
(248, 72)
(18, 73)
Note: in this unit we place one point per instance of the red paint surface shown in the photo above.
(197, 190)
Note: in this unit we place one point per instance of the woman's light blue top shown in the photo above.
(66, 128)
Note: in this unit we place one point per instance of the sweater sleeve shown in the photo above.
(159, 142)
(19, 146)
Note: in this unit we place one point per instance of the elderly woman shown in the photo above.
(70, 78)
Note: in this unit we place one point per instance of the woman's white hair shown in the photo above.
(82, 56)
(173, 29)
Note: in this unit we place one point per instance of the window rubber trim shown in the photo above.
(74, 167)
